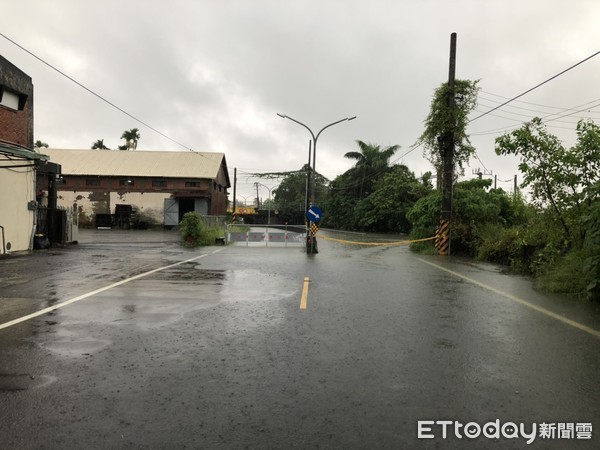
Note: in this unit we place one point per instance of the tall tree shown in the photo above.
(347, 190)
(131, 139)
(290, 195)
(372, 162)
(393, 195)
(99, 145)
(566, 180)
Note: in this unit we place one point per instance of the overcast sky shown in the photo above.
(212, 74)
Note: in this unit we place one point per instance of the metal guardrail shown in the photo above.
(274, 235)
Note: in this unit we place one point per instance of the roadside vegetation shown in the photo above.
(553, 236)
(194, 231)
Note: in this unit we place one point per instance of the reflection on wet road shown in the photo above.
(214, 351)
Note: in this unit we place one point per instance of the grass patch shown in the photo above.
(566, 275)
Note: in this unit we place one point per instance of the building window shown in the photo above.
(92, 181)
(126, 183)
(192, 184)
(159, 183)
(10, 100)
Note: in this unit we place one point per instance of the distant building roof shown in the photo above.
(137, 163)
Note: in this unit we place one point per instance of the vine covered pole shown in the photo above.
(448, 140)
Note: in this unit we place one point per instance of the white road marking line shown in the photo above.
(97, 291)
(537, 308)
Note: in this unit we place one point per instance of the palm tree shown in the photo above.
(372, 162)
(131, 139)
(99, 144)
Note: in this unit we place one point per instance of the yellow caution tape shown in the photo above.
(342, 241)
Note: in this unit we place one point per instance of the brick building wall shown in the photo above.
(16, 125)
(17, 186)
(99, 194)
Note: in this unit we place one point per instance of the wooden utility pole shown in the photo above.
(233, 212)
(448, 160)
(234, 187)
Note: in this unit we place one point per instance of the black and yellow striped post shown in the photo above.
(234, 218)
(442, 238)
(311, 239)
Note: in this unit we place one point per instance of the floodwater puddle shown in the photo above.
(24, 381)
(192, 272)
(75, 348)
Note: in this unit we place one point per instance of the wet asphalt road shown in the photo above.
(216, 352)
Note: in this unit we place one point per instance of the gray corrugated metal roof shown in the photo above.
(137, 163)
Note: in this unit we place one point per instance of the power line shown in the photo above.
(517, 119)
(547, 118)
(519, 101)
(535, 87)
(580, 108)
(97, 95)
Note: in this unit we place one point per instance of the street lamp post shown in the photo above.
(269, 206)
(245, 198)
(311, 244)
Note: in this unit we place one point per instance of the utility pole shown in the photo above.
(485, 172)
(233, 215)
(448, 157)
(257, 198)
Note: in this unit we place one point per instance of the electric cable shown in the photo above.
(99, 96)
(535, 87)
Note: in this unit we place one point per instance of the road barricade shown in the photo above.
(277, 235)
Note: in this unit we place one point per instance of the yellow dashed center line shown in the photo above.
(304, 299)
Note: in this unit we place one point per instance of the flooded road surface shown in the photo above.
(166, 347)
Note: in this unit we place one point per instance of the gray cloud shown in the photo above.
(211, 74)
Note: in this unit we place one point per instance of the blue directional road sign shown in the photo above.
(314, 214)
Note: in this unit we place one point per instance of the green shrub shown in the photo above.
(565, 274)
(209, 236)
(499, 245)
(191, 229)
(194, 231)
(238, 228)
(591, 267)
(424, 217)
(591, 264)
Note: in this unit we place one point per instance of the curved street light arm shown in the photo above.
(283, 116)
(332, 124)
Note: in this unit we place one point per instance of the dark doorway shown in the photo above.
(185, 205)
